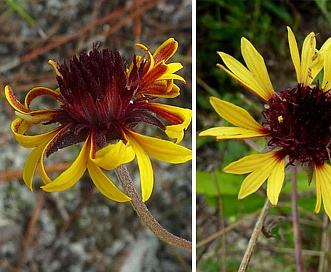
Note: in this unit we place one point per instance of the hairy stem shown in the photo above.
(145, 215)
(252, 242)
(295, 221)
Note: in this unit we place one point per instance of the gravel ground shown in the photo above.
(79, 229)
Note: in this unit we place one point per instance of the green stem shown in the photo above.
(145, 215)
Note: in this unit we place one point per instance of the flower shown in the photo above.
(296, 121)
(101, 102)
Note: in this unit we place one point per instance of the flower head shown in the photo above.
(101, 102)
(296, 120)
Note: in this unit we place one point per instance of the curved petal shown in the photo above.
(145, 168)
(12, 100)
(323, 187)
(31, 164)
(166, 50)
(55, 67)
(255, 63)
(113, 155)
(237, 115)
(39, 116)
(39, 91)
(104, 184)
(180, 118)
(20, 126)
(161, 149)
(70, 176)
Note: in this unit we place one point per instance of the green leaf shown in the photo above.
(212, 184)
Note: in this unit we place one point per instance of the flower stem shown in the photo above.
(145, 215)
(252, 242)
(295, 221)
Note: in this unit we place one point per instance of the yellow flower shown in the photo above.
(101, 102)
(296, 120)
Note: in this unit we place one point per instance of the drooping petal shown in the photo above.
(255, 63)
(31, 164)
(12, 100)
(113, 155)
(20, 126)
(145, 168)
(161, 149)
(261, 166)
(180, 118)
(294, 54)
(40, 91)
(104, 184)
(39, 116)
(323, 187)
(275, 181)
(70, 176)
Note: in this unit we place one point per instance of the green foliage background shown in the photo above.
(220, 26)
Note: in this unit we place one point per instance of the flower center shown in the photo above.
(99, 93)
(300, 124)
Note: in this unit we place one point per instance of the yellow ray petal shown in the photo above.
(275, 181)
(326, 84)
(113, 155)
(318, 177)
(307, 54)
(236, 115)
(323, 187)
(31, 164)
(12, 100)
(251, 163)
(294, 54)
(19, 127)
(179, 117)
(166, 50)
(253, 182)
(223, 133)
(104, 184)
(262, 167)
(70, 176)
(145, 168)
(37, 92)
(241, 74)
(161, 149)
(318, 59)
(255, 63)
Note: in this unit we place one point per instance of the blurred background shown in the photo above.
(225, 224)
(79, 229)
